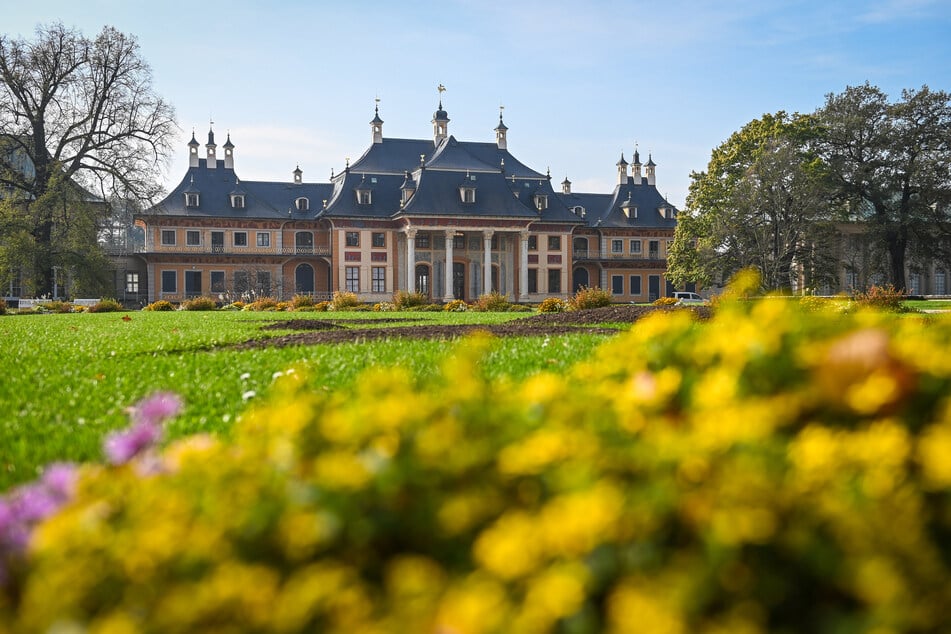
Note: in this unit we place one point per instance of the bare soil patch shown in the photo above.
(314, 331)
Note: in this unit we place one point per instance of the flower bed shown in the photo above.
(771, 469)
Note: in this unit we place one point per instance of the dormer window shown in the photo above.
(631, 211)
(667, 212)
(541, 202)
(237, 201)
(363, 197)
(302, 204)
(191, 200)
(467, 194)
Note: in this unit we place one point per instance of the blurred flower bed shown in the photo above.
(774, 469)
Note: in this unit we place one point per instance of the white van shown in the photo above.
(689, 298)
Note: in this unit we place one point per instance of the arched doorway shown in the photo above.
(423, 278)
(579, 279)
(304, 278)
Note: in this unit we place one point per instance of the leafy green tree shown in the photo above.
(763, 202)
(77, 116)
(891, 161)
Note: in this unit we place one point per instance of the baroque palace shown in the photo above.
(447, 218)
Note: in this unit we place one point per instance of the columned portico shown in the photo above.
(523, 266)
(487, 260)
(448, 295)
(411, 259)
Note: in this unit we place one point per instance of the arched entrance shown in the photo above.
(423, 278)
(304, 278)
(579, 278)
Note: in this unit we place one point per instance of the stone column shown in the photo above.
(487, 260)
(523, 266)
(448, 296)
(411, 259)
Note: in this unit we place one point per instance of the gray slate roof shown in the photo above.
(263, 199)
(604, 210)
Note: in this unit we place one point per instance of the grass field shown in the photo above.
(69, 378)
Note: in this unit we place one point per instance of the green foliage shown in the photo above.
(262, 304)
(456, 306)
(770, 470)
(891, 161)
(881, 298)
(403, 300)
(589, 297)
(344, 300)
(200, 303)
(3, 307)
(302, 301)
(553, 305)
(160, 305)
(105, 306)
(494, 302)
(57, 306)
(764, 202)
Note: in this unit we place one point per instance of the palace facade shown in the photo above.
(447, 218)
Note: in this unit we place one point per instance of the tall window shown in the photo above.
(241, 282)
(168, 237)
(617, 284)
(353, 238)
(192, 238)
(217, 281)
(192, 283)
(422, 241)
(617, 246)
(532, 280)
(533, 243)
(554, 280)
(458, 242)
(353, 279)
(940, 287)
(635, 285)
(379, 240)
(378, 279)
(131, 282)
(191, 200)
(554, 243)
(635, 247)
(653, 249)
(263, 239)
(264, 282)
(240, 238)
(169, 282)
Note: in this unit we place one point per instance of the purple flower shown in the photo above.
(120, 447)
(27, 505)
(158, 407)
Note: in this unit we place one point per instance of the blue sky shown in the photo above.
(294, 82)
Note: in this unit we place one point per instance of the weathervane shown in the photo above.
(441, 89)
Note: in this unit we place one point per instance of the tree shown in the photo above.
(763, 202)
(76, 113)
(892, 163)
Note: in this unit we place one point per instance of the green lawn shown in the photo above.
(69, 378)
